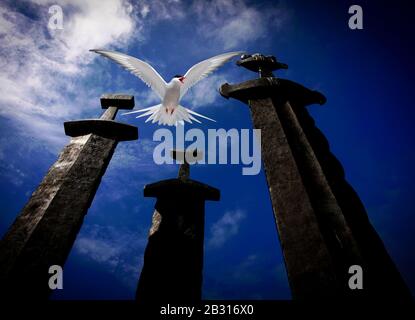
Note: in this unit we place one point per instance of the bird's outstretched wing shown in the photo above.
(203, 69)
(139, 68)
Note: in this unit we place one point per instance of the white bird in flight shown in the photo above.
(169, 111)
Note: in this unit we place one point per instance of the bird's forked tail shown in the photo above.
(159, 114)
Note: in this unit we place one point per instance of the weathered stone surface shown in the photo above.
(280, 89)
(300, 168)
(381, 277)
(309, 265)
(173, 261)
(44, 232)
(333, 226)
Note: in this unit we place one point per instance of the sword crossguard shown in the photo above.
(105, 126)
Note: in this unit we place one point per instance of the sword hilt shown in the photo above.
(260, 63)
(114, 102)
(188, 157)
(105, 126)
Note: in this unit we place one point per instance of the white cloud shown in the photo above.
(206, 92)
(86, 25)
(226, 227)
(11, 173)
(43, 78)
(146, 98)
(145, 10)
(131, 167)
(156, 10)
(50, 77)
(233, 23)
(256, 271)
(46, 75)
(246, 271)
(120, 251)
(134, 156)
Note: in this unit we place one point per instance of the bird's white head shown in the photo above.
(179, 78)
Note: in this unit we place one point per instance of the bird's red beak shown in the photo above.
(182, 79)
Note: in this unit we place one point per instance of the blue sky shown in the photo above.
(50, 77)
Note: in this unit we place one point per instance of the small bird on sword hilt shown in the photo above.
(260, 63)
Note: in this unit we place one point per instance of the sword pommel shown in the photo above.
(121, 101)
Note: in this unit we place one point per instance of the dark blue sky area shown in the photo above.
(366, 76)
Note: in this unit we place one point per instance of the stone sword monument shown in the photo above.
(322, 225)
(173, 260)
(43, 233)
